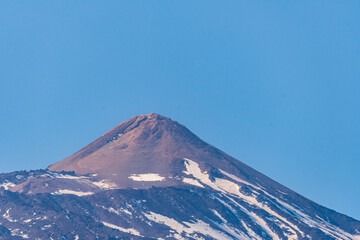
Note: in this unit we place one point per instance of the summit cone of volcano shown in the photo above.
(151, 146)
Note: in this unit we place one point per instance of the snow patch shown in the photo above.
(261, 222)
(147, 177)
(205, 229)
(18, 232)
(234, 232)
(67, 176)
(7, 185)
(187, 228)
(125, 211)
(7, 216)
(67, 191)
(126, 230)
(105, 184)
(222, 185)
(192, 182)
(24, 236)
(250, 232)
(233, 177)
(288, 225)
(219, 216)
(118, 212)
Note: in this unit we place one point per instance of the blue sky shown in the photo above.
(274, 84)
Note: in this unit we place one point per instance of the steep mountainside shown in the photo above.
(145, 144)
(151, 178)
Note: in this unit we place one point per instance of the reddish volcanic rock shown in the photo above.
(148, 144)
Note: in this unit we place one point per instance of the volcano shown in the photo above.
(152, 144)
(152, 178)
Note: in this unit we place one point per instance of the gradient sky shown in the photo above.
(275, 84)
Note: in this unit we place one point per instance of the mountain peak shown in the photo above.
(153, 116)
(147, 124)
(147, 143)
(150, 144)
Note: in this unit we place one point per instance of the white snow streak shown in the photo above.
(147, 177)
(233, 177)
(324, 226)
(192, 182)
(105, 184)
(187, 228)
(126, 230)
(118, 212)
(67, 191)
(230, 230)
(219, 216)
(66, 176)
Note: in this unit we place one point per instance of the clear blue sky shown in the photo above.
(275, 84)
